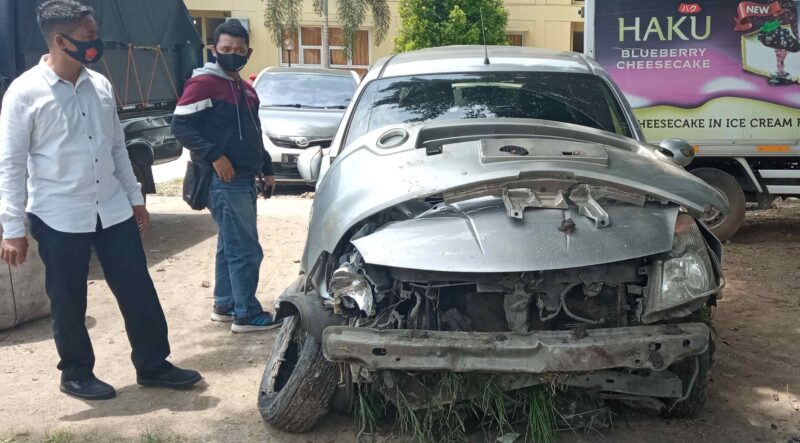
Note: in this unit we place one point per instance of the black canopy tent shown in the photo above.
(151, 46)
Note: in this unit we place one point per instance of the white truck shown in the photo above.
(723, 75)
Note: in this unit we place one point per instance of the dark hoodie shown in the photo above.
(218, 116)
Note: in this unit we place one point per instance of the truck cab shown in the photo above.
(724, 76)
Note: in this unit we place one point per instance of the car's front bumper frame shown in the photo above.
(653, 347)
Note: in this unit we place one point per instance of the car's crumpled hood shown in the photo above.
(365, 180)
(485, 239)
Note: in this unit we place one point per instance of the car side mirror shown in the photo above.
(681, 151)
(309, 164)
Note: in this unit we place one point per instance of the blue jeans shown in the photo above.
(239, 255)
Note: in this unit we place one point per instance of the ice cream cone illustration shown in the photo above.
(782, 41)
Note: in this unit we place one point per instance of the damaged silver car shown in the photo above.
(497, 213)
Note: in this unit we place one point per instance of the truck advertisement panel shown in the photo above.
(705, 70)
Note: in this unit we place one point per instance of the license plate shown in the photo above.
(289, 160)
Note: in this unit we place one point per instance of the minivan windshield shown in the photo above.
(580, 99)
(314, 91)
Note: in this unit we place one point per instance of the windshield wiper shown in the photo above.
(336, 107)
(291, 105)
(571, 107)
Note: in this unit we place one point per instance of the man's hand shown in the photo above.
(224, 169)
(267, 186)
(142, 218)
(14, 251)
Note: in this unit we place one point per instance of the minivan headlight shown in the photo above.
(683, 279)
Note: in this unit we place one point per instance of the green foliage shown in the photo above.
(62, 436)
(455, 400)
(283, 15)
(426, 24)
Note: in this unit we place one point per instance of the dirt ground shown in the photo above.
(755, 394)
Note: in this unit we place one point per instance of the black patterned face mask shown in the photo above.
(87, 52)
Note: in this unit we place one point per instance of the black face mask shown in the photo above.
(88, 52)
(231, 62)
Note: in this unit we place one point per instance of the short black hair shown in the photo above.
(59, 15)
(233, 28)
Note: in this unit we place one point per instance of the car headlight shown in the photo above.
(682, 280)
(351, 290)
(267, 142)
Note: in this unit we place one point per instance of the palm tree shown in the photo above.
(283, 15)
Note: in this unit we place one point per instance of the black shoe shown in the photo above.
(92, 389)
(175, 378)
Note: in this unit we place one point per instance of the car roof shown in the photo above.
(308, 70)
(457, 59)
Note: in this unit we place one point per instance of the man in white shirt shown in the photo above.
(59, 124)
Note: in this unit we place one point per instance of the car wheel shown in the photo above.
(695, 374)
(298, 382)
(724, 226)
(343, 399)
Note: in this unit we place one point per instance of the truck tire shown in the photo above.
(137, 171)
(298, 382)
(724, 226)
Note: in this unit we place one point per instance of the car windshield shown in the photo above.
(569, 98)
(315, 91)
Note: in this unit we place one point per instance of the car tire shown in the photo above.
(298, 381)
(724, 226)
(696, 399)
(343, 399)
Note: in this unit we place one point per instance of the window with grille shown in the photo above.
(308, 49)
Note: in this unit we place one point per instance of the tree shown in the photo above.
(426, 24)
(283, 16)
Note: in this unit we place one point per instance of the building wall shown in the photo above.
(540, 23)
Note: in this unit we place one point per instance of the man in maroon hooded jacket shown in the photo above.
(217, 120)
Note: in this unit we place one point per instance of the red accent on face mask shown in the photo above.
(91, 53)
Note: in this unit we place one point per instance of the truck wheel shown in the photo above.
(724, 226)
(696, 399)
(137, 171)
(298, 382)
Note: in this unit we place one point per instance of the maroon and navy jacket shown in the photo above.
(218, 116)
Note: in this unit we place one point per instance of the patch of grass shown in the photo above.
(149, 436)
(465, 396)
(63, 436)
(369, 409)
(146, 436)
(541, 415)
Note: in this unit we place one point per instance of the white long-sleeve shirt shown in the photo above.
(69, 140)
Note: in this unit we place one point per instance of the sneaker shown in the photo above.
(92, 389)
(259, 322)
(222, 315)
(174, 377)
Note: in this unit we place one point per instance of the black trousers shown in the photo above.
(121, 254)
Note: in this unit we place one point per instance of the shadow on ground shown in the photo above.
(135, 400)
(169, 235)
(34, 332)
